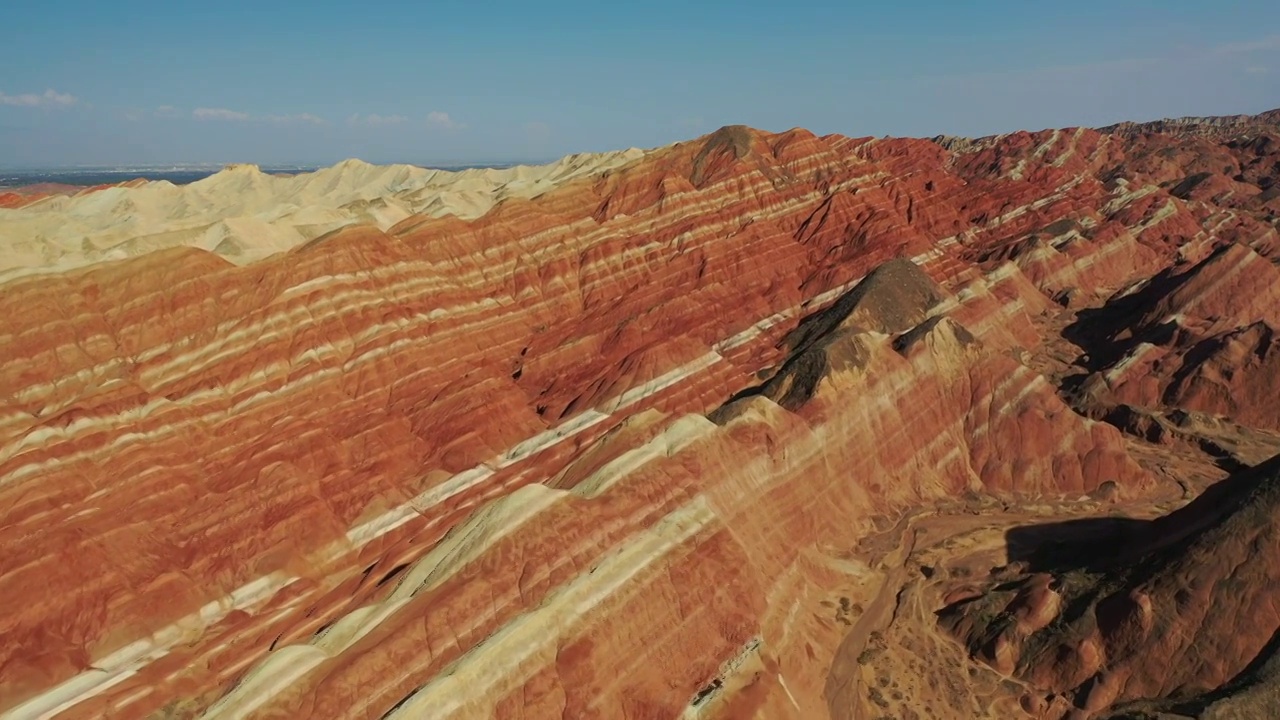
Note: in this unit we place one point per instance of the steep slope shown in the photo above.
(606, 449)
(728, 501)
(1199, 339)
(1156, 625)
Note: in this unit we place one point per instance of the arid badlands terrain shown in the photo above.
(754, 425)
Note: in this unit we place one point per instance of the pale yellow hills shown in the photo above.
(243, 214)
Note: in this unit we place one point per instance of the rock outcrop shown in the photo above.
(1147, 617)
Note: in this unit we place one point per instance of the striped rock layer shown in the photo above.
(581, 456)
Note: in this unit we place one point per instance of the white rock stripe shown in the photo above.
(509, 657)
(125, 662)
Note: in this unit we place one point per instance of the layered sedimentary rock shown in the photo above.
(1115, 618)
(1181, 618)
(1200, 340)
(587, 454)
(18, 197)
(243, 214)
(1223, 126)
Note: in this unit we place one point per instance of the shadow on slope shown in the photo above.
(894, 297)
(1173, 615)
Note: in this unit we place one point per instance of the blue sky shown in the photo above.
(92, 82)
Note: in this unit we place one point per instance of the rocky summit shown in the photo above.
(760, 424)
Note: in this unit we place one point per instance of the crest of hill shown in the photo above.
(894, 297)
(1211, 126)
(1216, 126)
(64, 232)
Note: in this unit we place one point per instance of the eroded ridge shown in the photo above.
(613, 448)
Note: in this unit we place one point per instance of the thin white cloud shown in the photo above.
(1073, 71)
(1132, 65)
(164, 111)
(375, 120)
(1270, 42)
(442, 121)
(219, 114)
(305, 118)
(1256, 70)
(49, 98)
(237, 116)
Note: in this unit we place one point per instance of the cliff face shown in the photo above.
(588, 454)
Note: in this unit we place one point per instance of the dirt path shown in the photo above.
(894, 657)
(844, 689)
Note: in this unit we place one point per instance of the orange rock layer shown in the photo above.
(576, 457)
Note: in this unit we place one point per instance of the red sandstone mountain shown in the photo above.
(706, 431)
(27, 194)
